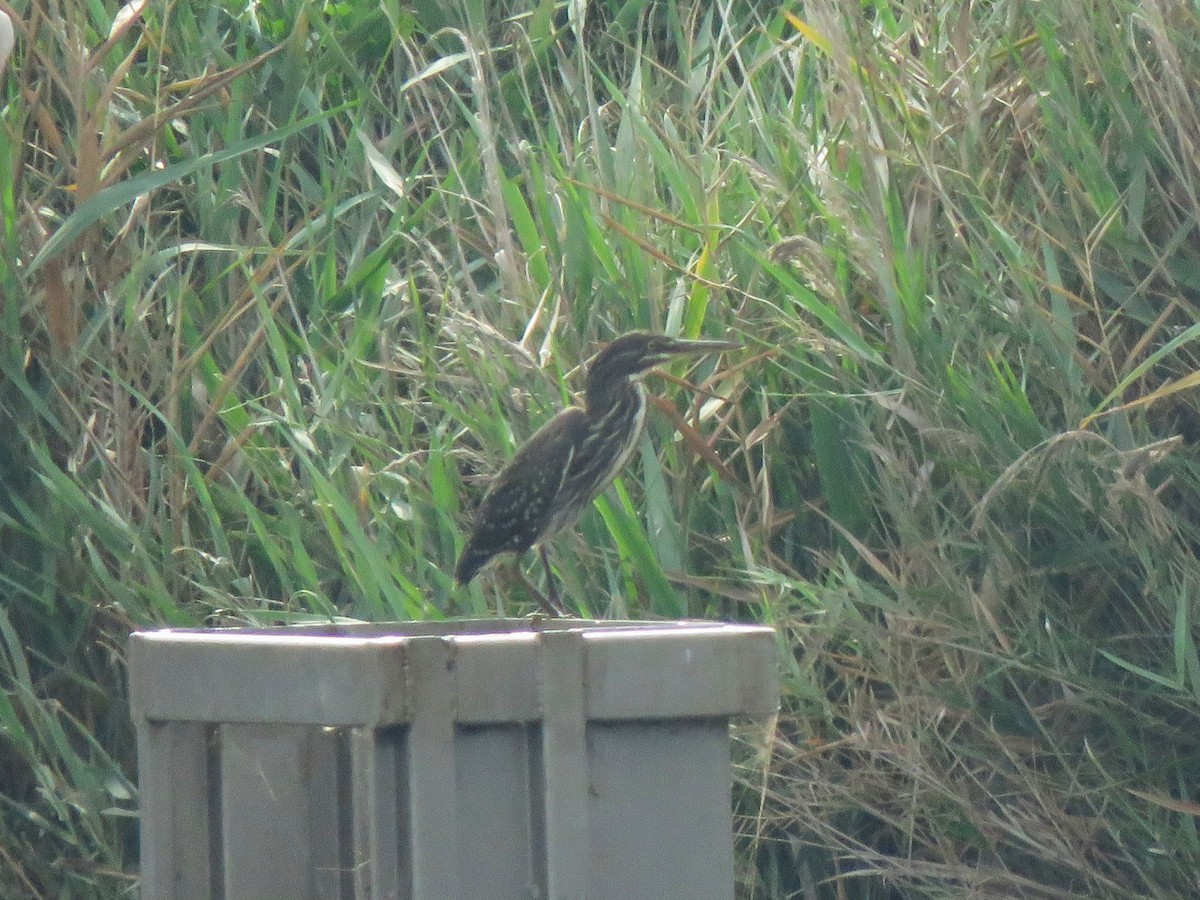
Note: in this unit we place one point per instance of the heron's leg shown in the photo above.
(550, 603)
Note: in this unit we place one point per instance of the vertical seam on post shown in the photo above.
(564, 763)
(432, 769)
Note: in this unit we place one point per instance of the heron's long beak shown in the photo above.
(679, 346)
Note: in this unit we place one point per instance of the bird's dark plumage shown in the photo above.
(573, 457)
(515, 513)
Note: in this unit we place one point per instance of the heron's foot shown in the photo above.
(550, 605)
(550, 602)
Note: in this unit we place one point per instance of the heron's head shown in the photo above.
(633, 355)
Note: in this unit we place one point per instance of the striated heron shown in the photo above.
(572, 458)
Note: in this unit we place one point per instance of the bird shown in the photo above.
(572, 458)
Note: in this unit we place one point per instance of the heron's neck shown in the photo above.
(600, 399)
(615, 421)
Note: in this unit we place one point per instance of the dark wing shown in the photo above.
(518, 508)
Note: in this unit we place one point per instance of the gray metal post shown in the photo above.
(476, 760)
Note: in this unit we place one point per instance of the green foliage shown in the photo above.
(283, 283)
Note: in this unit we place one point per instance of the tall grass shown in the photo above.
(282, 284)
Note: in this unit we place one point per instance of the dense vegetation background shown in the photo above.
(282, 282)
